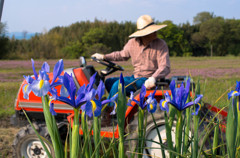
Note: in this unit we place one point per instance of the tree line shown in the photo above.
(209, 35)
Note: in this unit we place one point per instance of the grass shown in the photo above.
(215, 90)
(217, 75)
(8, 91)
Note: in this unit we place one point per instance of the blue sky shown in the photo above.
(42, 15)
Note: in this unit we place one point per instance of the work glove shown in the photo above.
(98, 56)
(150, 83)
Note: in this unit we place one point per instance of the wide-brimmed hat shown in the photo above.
(146, 26)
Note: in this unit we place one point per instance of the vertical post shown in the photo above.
(1, 8)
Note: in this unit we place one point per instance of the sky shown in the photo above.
(42, 15)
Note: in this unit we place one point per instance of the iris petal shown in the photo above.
(187, 89)
(92, 81)
(197, 100)
(40, 91)
(80, 99)
(172, 87)
(98, 108)
(82, 89)
(164, 105)
(70, 86)
(34, 70)
(197, 108)
(142, 96)
(237, 86)
(64, 92)
(45, 67)
(152, 107)
(57, 70)
(100, 90)
(88, 109)
(29, 79)
(26, 90)
(52, 108)
(167, 96)
(233, 93)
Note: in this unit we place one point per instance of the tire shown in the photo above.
(153, 149)
(151, 134)
(26, 143)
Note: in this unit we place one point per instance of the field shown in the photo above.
(217, 76)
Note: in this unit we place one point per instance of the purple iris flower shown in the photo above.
(27, 87)
(141, 96)
(40, 85)
(179, 98)
(74, 101)
(93, 106)
(52, 98)
(236, 92)
(151, 102)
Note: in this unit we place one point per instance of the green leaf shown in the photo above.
(231, 128)
(121, 110)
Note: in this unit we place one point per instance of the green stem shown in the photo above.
(52, 128)
(178, 137)
(96, 134)
(75, 134)
(121, 143)
(215, 140)
(195, 140)
(85, 134)
(140, 132)
(187, 129)
(169, 135)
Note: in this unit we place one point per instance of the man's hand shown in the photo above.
(150, 83)
(98, 56)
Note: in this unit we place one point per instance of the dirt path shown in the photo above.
(7, 134)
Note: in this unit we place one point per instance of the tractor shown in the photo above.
(26, 143)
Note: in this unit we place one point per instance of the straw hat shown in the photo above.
(146, 26)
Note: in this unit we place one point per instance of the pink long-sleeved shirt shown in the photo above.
(148, 61)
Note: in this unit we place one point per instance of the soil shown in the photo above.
(7, 134)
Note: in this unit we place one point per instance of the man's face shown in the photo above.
(149, 38)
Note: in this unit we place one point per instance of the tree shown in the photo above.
(173, 37)
(73, 50)
(231, 40)
(202, 17)
(4, 41)
(212, 30)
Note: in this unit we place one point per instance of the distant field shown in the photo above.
(216, 74)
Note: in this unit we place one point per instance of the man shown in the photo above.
(149, 55)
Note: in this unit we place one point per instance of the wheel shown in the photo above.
(26, 143)
(150, 147)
